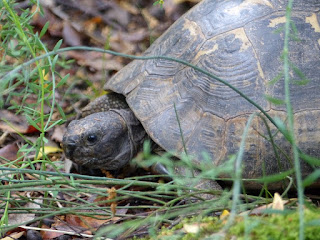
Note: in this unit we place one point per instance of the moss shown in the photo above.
(276, 227)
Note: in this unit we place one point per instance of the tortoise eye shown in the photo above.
(92, 138)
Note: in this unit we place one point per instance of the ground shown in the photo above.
(39, 188)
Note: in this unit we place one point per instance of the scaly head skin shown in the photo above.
(107, 140)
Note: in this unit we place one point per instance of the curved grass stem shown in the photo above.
(286, 65)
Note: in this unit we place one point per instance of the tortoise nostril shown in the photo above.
(71, 141)
(69, 145)
(69, 149)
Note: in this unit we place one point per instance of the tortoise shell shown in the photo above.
(241, 42)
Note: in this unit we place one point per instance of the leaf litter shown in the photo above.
(117, 25)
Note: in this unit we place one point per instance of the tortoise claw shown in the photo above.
(159, 168)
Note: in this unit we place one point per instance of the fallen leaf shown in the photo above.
(136, 36)
(107, 173)
(224, 214)
(40, 20)
(50, 149)
(9, 152)
(278, 203)
(194, 227)
(15, 235)
(58, 132)
(89, 222)
(3, 137)
(116, 13)
(85, 55)
(152, 21)
(49, 234)
(61, 228)
(261, 209)
(131, 8)
(17, 218)
(13, 123)
(191, 228)
(70, 35)
(97, 61)
(101, 64)
(112, 193)
(31, 129)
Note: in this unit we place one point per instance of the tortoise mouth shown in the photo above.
(69, 151)
(101, 163)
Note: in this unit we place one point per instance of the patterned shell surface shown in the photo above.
(242, 43)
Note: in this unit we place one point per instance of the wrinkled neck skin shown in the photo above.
(136, 135)
(105, 140)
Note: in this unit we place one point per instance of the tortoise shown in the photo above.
(239, 41)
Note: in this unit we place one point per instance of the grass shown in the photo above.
(262, 227)
(35, 72)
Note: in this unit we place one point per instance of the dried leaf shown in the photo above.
(17, 218)
(15, 235)
(152, 21)
(91, 25)
(224, 214)
(131, 8)
(40, 20)
(50, 234)
(107, 173)
(113, 208)
(136, 36)
(261, 210)
(194, 227)
(116, 14)
(97, 61)
(101, 64)
(49, 149)
(13, 123)
(112, 193)
(58, 132)
(191, 228)
(89, 222)
(70, 35)
(9, 152)
(278, 203)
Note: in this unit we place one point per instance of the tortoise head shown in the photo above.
(107, 140)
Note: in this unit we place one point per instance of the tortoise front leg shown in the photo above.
(105, 103)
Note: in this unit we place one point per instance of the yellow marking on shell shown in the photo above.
(262, 2)
(213, 87)
(206, 52)
(248, 4)
(241, 35)
(260, 68)
(192, 27)
(274, 22)
(313, 22)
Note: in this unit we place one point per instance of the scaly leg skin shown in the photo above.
(105, 103)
